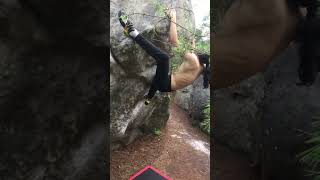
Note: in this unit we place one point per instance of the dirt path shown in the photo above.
(181, 152)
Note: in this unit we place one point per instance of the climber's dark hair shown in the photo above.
(204, 59)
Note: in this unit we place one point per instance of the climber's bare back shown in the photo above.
(251, 34)
(187, 72)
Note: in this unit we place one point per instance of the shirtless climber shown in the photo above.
(251, 34)
(191, 68)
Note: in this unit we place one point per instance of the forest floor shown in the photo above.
(182, 152)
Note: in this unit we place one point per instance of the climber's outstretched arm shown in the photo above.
(173, 35)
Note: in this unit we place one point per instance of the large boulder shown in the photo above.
(132, 69)
(52, 85)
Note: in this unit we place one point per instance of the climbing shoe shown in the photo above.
(147, 102)
(125, 22)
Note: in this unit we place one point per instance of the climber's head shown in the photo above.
(204, 60)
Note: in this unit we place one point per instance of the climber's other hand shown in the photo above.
(172, 13)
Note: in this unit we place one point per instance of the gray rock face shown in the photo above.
(132, 69)
(193, 98)
(183, 97)
(268, 115)
(199, 98)
(52, 89)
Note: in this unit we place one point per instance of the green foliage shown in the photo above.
(185, 45)
(205, 124)
(311, 157)
(179, 51)
(157, 131)
(202, 36)
(203, 47)
(160, 9)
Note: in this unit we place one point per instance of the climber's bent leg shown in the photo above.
(161, 83)
(162, 79)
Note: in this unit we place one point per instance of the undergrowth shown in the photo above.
(205, 124)
(311, 156)
(157, 131)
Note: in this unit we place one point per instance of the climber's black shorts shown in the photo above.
(162, 79)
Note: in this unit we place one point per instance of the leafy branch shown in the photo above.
(311, 156)
(164, 17)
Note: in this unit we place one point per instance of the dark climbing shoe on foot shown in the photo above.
(125, 22)
(147, 102)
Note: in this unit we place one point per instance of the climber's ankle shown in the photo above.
(127, 25)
